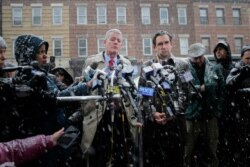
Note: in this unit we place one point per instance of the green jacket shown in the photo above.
(211, 103)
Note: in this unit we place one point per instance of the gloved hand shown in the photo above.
(50, 96)
(245, 70)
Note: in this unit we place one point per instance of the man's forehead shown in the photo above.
(198, 57)
(163, 38)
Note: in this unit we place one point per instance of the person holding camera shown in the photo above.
(39, 110)
(9, 118)
(238, 82)
(165, 130)
(201, 113)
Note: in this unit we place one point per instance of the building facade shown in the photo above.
(75, 29)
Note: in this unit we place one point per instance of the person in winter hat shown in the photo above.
(3, 47)
(32, 51)
(62, 75)
(222, 55)
(27, 48)
(201, 114)
(238, 82)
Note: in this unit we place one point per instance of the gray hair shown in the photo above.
(110, 31)
(2, 43)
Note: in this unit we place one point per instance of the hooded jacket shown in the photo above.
(227, 64)
(26, 48)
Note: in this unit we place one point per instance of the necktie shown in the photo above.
(111, 63)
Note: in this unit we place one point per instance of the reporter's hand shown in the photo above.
(160, 118)
(55, 136)
(202, 88)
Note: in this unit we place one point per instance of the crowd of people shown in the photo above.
(196, 115)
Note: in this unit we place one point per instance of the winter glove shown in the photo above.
(50, 96)
(37, 82)
(245, 71)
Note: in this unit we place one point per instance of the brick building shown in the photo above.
(76, 28)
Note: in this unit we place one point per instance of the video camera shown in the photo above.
(26, 79)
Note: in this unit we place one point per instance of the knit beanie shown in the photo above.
(2, 43)
(244, 49)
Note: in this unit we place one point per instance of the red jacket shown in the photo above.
(23, 150)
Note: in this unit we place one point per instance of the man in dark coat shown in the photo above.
(39, 110)
(223, 57)
(238, 81)
(163, 136)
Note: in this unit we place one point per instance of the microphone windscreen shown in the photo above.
(148, 63)
(94, 65)
(120, 61)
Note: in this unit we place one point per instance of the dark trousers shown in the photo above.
(164, 144)
(112, 144)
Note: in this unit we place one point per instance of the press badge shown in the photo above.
(145, 91)
(165, 85)
(113, 89)
(188, 76)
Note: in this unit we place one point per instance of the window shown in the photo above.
(17, 16)
(121, 15)
(238, 42)
(101, 48)
(101, 15)
(13, 47)
(203, 16)
(206, 42)
(36, 15)
(145, 15)
(81, 15)
(124, 49)
(183, 45)
(164, 16)
(222, 39)
(236, 17)
(220, 18)
(82, 47)
(57, 15)
(182, 15)
(147, 46)
(57, 47)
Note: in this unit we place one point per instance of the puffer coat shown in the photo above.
(20, 151)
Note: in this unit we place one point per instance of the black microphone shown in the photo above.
(127, 72)
(187, 78)
(169, 62)
(148, 72)
(94, 65)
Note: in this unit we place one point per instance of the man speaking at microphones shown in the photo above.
(107, 142)
(163, 137)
